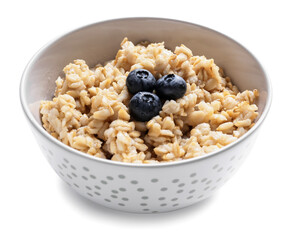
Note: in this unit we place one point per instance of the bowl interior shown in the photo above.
(100, 42)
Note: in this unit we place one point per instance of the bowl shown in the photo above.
(141, 188)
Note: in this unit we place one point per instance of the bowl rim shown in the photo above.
(42, 131)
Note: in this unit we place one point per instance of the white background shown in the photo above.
(254, 204)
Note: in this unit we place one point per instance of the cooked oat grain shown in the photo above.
(90, 109)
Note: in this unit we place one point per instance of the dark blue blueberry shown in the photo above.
(143, 106)
(171, 86)
(140, 80)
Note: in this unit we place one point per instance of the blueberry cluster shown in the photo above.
(145, 104)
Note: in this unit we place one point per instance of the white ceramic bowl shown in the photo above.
(133, 187)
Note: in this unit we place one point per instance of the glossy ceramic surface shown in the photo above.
(133, 187)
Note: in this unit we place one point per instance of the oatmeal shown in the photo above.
(90, 110)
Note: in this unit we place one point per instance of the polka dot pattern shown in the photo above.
(146, 192)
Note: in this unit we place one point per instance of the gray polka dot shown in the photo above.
(85, 178)
(162, 198)
(97, 193)
(181, 185)
(154, 180)
(212, 189)
(74, 174)
(140, 189)
(107, 200)
(180, 191)
(232, 158)
(88, 188)
(59, 166)
(163, 204)
(232, 170)
(215, 166)
(229, 168)
(194, 182)
(73, 167)
(89, 194)
(175, 181)
(69, 176)
(92, 176)
(146, 209)
(68, 184)
(64, 165)
(66, 160)
(109, 178)
(201, 196)
(163, 189)
(113, 196)
(121, 176)
(208, 182)
(175, 205)
(192, 174)
(121, 204)
(154, 211)
(220, 169)
(51, 153)
(144, 197)
(114, 191)
(189, 197)
(122, 189)
(192, 191)
(86, 169)
(103, 182)
(143, 204)
(134, 182)
(61, 173)
(124, 199)
(204, 180)
(76, 185)
(97, 187)
(218, 180)
(174, 199)
(205, 189)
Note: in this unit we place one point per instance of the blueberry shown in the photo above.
(143, 106)
(140, 80)
(171, 86)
